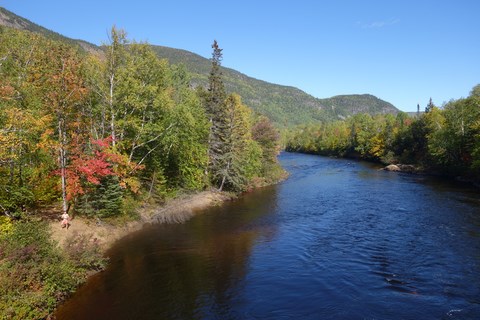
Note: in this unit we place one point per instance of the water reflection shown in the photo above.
(186, 271)
(337, 240)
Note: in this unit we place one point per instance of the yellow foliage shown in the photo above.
(6, 226)
(131, 183)
(377, 146)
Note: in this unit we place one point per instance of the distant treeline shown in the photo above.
(444, 140)
(102, 131)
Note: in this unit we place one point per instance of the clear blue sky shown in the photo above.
(401, 51)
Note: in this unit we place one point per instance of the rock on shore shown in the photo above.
(408, 168)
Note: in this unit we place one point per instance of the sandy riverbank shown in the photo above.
(105, 234)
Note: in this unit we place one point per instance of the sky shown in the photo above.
(402, 51)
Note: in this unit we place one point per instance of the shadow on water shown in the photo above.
(338, 240)
(183, 271)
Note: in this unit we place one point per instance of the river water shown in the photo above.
(337, 240)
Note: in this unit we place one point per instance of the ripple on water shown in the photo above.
(337, 240)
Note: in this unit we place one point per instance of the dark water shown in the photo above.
(337, 240)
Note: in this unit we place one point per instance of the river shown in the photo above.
(337, 240)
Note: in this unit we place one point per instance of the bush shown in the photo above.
(35, 275)
(84, 251)
(6, 226)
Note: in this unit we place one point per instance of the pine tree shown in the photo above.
(102, 200)
(217, 113)
(237, 133)
(430, 106)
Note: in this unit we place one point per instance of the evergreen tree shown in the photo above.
(237, 136)
(430, 106)
(216, 110)
(103, 200)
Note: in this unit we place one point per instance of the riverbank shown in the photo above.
(105, 233)
(406, 168)
(411, 169)
(328, 233)
(42, 264)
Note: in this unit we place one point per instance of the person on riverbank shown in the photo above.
(65, 220)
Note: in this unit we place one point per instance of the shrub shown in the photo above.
(35, 275)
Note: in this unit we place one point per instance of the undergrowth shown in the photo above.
(35, 275)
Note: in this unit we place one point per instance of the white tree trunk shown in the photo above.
(112, 110)
(63, 164)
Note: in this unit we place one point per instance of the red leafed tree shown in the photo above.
(80, 158)
(87, 166)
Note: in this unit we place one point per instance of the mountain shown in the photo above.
(10, 19)
(284, 105)
(345, 105)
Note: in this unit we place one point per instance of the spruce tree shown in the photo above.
(430, 106)
(103, 200)
(216, 111)
(216, 88)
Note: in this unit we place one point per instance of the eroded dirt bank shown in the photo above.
(105, 234)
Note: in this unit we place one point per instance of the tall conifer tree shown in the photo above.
(217, 114)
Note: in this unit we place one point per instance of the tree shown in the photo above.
(65, 91)
(184, 150)
(475, 92)
(217, 114)
(429, 106)
(216, 87)
(267, 137)
(24, 169)
(80, 159)
(234, 159)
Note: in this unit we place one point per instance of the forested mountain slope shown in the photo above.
(10, 19)
(284, 105)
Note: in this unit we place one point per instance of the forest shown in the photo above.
(442, 140)
(97, 131)
(98, 134)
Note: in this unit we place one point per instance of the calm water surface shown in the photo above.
(337, 240)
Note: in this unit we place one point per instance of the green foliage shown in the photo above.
(219, 137)
(475, 92)
(102, 200)
(254, 166)
(283, 105)
(35, 275)
(91, 130)
(234, 155)
(12, 20)
(103, 132)
(444, 140)
(22, 123)
(84, 252)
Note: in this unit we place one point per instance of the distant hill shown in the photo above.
(345, 105)
(284, 105)
(10, 19)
